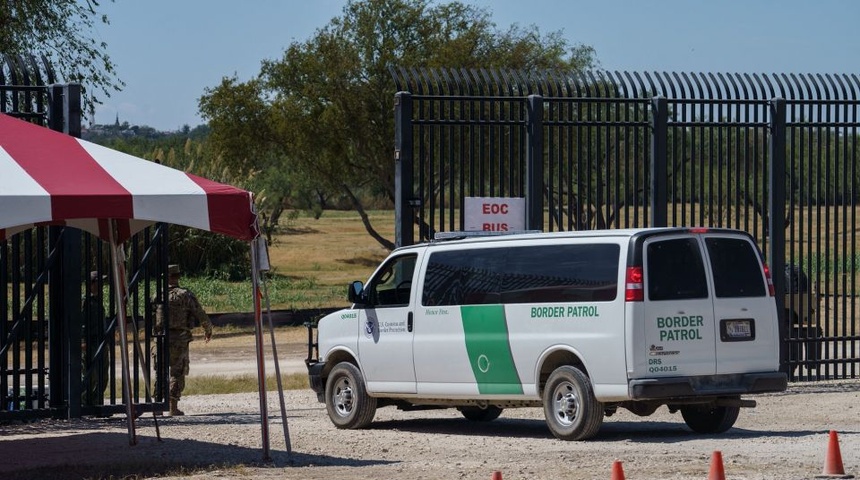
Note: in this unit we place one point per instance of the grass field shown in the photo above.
(312, 262)
(321, 256)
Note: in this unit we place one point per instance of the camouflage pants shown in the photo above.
(179, 362)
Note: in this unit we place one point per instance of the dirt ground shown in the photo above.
(221, 436)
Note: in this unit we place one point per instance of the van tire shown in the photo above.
(478, 414)
(572, 412)
(346, 399)
(709, 419)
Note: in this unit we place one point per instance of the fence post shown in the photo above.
(72, 111)
(404, 215)
(65, 115)
(776, 218)
(55, 107)
(659, 161)
(534, 164)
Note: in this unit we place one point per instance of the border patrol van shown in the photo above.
(579, 323)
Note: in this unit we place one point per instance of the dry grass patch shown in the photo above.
(232, 336)
(321, 256)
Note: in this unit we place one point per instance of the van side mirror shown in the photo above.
(355, 293)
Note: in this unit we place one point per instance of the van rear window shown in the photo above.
(736, 266)
(530, 274)
(675, 270)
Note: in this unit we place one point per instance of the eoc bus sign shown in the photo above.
(495, 214)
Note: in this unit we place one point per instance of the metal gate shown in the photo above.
(774, 155)
(45, 369)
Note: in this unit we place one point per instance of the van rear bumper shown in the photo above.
(706, 385)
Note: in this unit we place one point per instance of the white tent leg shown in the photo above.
(261, 364)
(117, 259)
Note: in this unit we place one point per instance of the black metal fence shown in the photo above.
(44, 368)
(774, 155)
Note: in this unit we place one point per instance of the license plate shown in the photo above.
(737, 330)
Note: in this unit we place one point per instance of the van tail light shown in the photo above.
(633, 289)
(770, 289)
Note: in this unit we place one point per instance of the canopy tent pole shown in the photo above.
(117, 257)
(277, 371)
(263, 266)
(261, 364)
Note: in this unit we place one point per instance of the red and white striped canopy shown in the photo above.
(47, 177)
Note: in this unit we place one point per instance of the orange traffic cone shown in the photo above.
(617, 471)
(497, 475)
(717, 472)
(833, 461)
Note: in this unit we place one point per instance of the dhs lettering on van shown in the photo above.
(680, 328)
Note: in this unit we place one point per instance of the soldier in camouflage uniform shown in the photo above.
(185, 313)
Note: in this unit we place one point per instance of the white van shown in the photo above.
(580, 323)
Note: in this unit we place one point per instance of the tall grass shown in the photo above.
(221, 296)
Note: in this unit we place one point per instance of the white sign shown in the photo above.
(495, 214)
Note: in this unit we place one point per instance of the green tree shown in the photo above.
(324, 110)
(61, 31)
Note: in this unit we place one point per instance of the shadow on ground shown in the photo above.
(108, 455)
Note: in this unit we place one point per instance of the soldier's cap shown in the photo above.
(94, 276)
(173, 270)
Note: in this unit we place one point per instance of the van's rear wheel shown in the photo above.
(709, 419)
(346, 399)
(572, 412)
(478, 414)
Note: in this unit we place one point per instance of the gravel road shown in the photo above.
(786, 436)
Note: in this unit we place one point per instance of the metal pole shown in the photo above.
(261, 364)
(277, 371)
(659, 161)
(776, 218)
(404, 203)
(117, 259)
(534, 167)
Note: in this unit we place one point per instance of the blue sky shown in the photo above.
(169, 51)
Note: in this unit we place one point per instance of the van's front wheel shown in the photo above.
(572, 412)
(346, 399)
(709, 419)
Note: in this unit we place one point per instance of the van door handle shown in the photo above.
(409, 322)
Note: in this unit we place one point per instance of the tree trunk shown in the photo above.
(356, 203)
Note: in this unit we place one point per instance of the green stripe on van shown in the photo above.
(490, 350)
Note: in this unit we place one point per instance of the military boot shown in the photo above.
(174, 409)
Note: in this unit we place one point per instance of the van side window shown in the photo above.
(535, 274)
(675, 270)
(392, 284)
(736, 266)
(462, 277)
(561, 273)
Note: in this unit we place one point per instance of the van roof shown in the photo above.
(459, 238)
